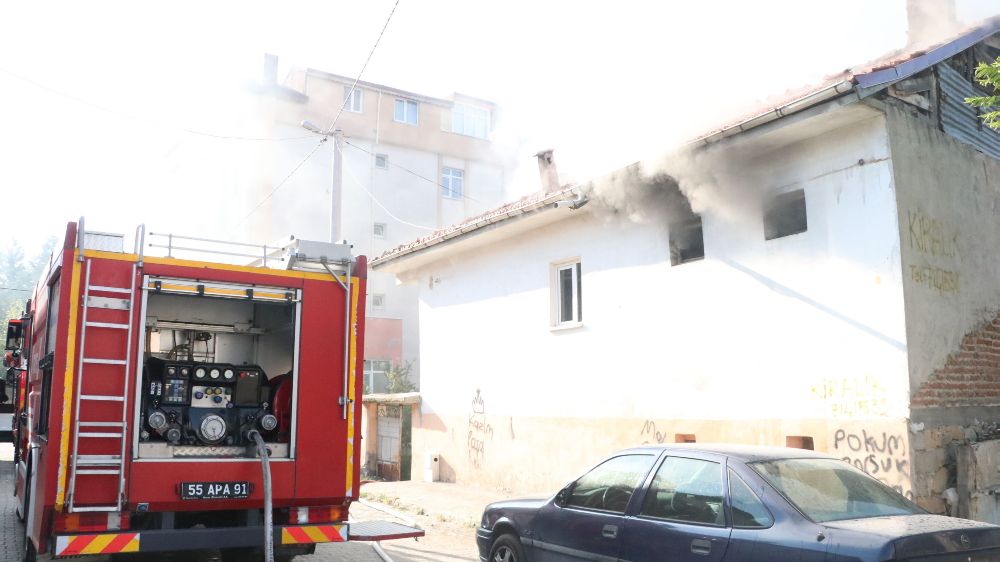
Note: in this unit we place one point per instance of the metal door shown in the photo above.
(390, 425)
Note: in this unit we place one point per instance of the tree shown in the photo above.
(988, 74)
(17, 272)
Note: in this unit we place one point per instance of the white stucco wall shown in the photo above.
(808, 327)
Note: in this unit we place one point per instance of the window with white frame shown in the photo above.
(567, 294)
(376, 375)
(406, 112)
(378, 301)
(378, 230)
(472, 121)
(382, 161)
(352, 99)
(451, 182)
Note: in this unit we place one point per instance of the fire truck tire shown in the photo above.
(30, 554)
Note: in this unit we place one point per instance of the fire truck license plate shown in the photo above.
(215, 490)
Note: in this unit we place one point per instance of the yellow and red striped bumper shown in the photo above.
(309, 534)
(104, 543)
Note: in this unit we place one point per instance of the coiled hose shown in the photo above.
(268, 519)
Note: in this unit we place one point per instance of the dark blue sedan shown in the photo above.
(711, 503)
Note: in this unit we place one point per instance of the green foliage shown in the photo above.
(19, 272)
(399, 378)
(988, 74)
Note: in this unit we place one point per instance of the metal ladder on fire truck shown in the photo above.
(112, 370)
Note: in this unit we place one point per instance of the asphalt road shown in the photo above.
(12, 538)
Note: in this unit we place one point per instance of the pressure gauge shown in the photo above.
(228, 374)
(171, 370)
(185, 371)
(212, 429)
(214, 373)
(199, 373)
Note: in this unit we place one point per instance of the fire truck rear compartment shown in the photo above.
(216, 368)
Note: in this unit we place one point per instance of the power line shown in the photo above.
(14, 289)
(347, 98)
(128, 117)
(332, 125)
(282, 182)
(383, 207)
(405, 169)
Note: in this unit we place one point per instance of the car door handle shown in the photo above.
(610, 531)
(701, 546)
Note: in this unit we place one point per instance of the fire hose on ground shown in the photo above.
(268, 519)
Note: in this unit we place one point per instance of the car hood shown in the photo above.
(907, 536)
(518, 505)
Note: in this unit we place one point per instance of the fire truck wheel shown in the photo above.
(30, 554)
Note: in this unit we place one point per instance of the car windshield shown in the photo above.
(831, 490)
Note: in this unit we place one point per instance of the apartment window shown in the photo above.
(567, 294)
(382, 161)
(378, 230)
(376, 375)
(378, 301)
(687, 243)
(353, 99)
(785, 215)
(451, 183)
(472, 121)
(406, 112)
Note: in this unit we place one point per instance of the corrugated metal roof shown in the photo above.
(959, 119)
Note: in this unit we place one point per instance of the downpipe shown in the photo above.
(265, 467)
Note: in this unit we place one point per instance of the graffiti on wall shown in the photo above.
(480, 431)
(931, 236)
(880, 454)
(650, 434)
(941, 280)
(853, 396)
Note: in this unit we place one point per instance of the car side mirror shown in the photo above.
(562, 498)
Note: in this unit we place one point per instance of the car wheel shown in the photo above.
(507, 548)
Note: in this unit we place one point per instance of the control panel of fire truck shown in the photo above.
(194, 403)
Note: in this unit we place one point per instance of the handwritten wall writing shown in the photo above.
(480, 431)
(650, 433)
(932, 236)
(880, 454)
(941, 280)
(852, 396)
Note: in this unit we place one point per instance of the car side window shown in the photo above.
(748, 510)
(688, 490)
(610, 485)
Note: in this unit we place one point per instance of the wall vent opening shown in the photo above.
(785, 215)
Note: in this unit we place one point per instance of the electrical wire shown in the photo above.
(282, 182)
(347, 98)
(405, 169)
(14, 289)
(143, 120)
(383, 207)
(332, 125)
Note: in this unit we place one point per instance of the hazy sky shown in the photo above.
(97, 95)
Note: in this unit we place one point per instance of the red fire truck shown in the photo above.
(174, 404)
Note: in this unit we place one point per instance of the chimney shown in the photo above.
(270, 71)
(930, 21)
(547, 171)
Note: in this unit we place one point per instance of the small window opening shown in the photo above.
(382, 161)
(378, 302)
(684, 438)
(799, 442)
(378, 230)
(785, 215)
(687, 243)
(567, 294)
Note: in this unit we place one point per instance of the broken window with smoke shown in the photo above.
(785, 215)
(687, 243)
